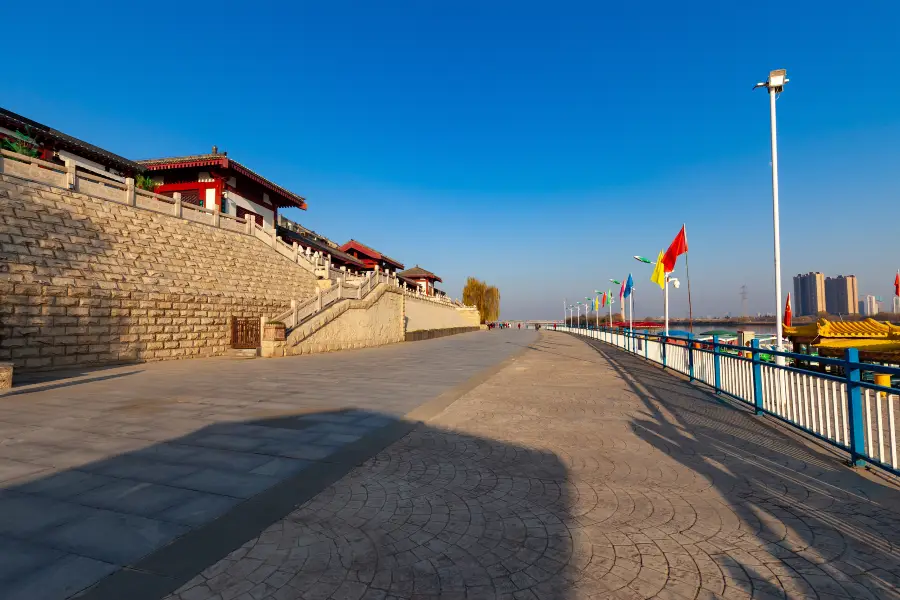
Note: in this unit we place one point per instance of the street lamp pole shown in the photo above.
(775, 85)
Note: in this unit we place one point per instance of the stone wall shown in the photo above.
(425, 315)
(88, 281)
(373, 321)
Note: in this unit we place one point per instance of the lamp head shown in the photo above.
(675, 282)
(777, 79)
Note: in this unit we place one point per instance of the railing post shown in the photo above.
(691, 356)
(70, 173)
(717, 364)
(854, 408)
(130, 197)
(293, 312)
(217, 218)
(757, 378)
(646, 344)
(177, 209)
(296, 251)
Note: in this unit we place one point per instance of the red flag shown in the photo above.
(678, 247)
(897, 284)
(787, 312)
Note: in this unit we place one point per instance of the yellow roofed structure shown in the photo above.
(876, 341)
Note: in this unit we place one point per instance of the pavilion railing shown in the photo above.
(839, 403)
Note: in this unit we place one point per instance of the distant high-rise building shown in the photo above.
(870, 304)
(809, 294)
(895, 308)
(841, 295)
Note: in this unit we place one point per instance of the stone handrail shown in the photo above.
(68, 176)
(103, 181)
(436, 299)
(303, 311)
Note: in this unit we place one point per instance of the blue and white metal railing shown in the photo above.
(844, 410)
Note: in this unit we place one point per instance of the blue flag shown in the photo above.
(629, 286)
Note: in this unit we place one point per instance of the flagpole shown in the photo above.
(597, 306)
(631, 316)
(687, 271)
(666, 301)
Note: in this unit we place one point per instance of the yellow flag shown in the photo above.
(659, 272)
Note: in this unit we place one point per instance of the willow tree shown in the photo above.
(492, 303)
(484, 297)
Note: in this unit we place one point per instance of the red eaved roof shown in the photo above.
(418, 272)
(222, 161)
(370, 253)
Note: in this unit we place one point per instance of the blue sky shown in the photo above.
(535, 145)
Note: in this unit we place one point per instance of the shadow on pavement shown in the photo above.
(803, 525)
(29, 384)
(438, 514)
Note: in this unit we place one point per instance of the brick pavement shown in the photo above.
(580, 473)
(102, 469)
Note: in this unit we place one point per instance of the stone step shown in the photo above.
(243, 353)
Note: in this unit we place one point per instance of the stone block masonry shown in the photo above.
(422, 315)
(373, 321)
(86, 281)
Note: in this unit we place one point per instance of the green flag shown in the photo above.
(642, 259)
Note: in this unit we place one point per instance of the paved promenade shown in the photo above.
(105, 469)
(565, 472)
(575, 473)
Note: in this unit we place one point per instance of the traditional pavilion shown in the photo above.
(51, 145)
(422, 279)
(372, 259)
(876, 341)
(217, 182)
